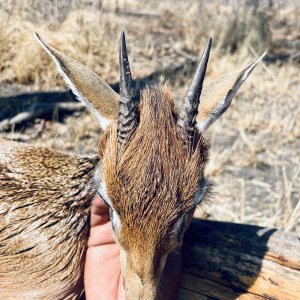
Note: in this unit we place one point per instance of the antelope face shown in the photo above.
(151, 186)
(151, 172)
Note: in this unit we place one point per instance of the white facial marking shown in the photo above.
(115, 219)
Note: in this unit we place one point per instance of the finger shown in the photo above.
(98, 205)
(99, 212)
(121, 289)
(102, 273)
(101, 235)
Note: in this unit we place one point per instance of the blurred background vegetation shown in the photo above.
(255, 155)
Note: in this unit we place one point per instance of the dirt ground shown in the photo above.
(255, 153)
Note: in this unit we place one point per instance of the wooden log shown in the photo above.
(229, 261)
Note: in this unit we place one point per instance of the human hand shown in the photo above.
(102, 274)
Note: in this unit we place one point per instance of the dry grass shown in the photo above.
(260, 167)
(255, 157)
(82, 35)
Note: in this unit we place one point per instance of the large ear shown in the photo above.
(217, 96)
(89, 88)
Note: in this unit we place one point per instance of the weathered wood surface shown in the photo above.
(234, 261)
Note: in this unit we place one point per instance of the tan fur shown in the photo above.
(152, 186)
(44, 205)
(216, 91)
(45, 194)
(89, 87)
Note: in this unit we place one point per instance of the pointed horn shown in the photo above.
(187, 116)
(127, 120)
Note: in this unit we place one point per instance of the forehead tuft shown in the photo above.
(156, 179)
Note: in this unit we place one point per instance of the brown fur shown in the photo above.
(44, 205)
(45, 194)
(156, 178)
(153, 184)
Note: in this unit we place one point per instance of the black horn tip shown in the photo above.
(208, 47)
(127, 112)
(209, 41)
(122, 37)
(123, 50)
(125, 74)
(206, 52)
(197, 82)
(189, 110)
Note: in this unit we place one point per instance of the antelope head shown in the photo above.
(153, 158)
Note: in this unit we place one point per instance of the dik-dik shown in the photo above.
(149, 170)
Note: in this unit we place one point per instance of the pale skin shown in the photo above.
(102, 275)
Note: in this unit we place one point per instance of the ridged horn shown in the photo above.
(189, 110)
(127, 119)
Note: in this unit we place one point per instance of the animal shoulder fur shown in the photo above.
(45, 197)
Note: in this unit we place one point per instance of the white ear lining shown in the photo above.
(104, 123)
(226, 101)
